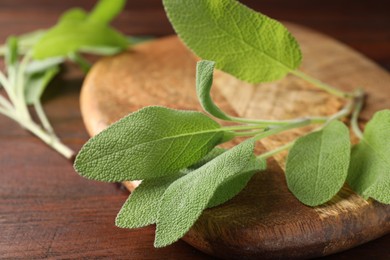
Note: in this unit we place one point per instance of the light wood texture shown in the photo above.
(265, 219)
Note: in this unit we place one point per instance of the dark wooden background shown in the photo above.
(48, 211)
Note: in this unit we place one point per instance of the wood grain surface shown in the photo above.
(265, 220)
(48, 211)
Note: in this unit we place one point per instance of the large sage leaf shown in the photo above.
(141, 208)
(369, 173)
(185, 199)
(150, 143)
(244, 43)
(317, 164)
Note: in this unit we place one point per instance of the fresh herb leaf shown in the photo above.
(369, 172)
(186, 198)
(317, 164)
(106, 10)
(244, 43)
(141, 208)
(36, 66)
(36, 84)
(234, 185)
(204, 81)
(77, 30)
(11, 54)
(150, 143)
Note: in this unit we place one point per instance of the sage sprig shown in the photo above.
(33, 60)
(176, 154)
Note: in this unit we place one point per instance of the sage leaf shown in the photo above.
(231, 187)
(317, 164)
(11, 54)
(369, 172)
(36, 84)
(204, 81)
(36, 66)
(186, 198)
(141, 208)
(106, 10)
(152, 142)
(234, 185)
(77, 30)
(244, 43)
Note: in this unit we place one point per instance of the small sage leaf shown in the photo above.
(152, 142)
(185, 199)
(106, 10)
(204, 81)
(369, 172)
(36, 66)
(36, 84)
(317, 164)
(141, 208)
(244, 43)
(77, 30)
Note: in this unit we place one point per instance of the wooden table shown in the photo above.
(48, 211)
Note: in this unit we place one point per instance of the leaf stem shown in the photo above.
(50, 140)
(20, 85)
(83, 63)
(321, 85)
(43, 118)
(277, 130)
(314, 120)
(271, 153)
(248, 133)
(243, 127)
(359, 100)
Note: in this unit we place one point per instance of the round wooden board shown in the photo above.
(265, 220)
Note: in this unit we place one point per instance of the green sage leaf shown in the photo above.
(77, 30)
(36, 84)
(106, 10)
(244, 43)
(204, 81)
(186, 198)
(152, 142)
(317, 164)
(11, 54)
(369, 172)
(36, 66)
(141, 208)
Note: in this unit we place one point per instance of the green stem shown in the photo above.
(7, 87)
(53, 142)
(20, 85)
(277, 130)
(276, 151)
(314, 120)
(321, 85)
(243, 127)
(83, 63)
(248, 133)
(8, 114)
(359, 100)
(42, 117)
(6, 104)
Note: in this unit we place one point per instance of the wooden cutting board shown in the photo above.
(265, 220)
